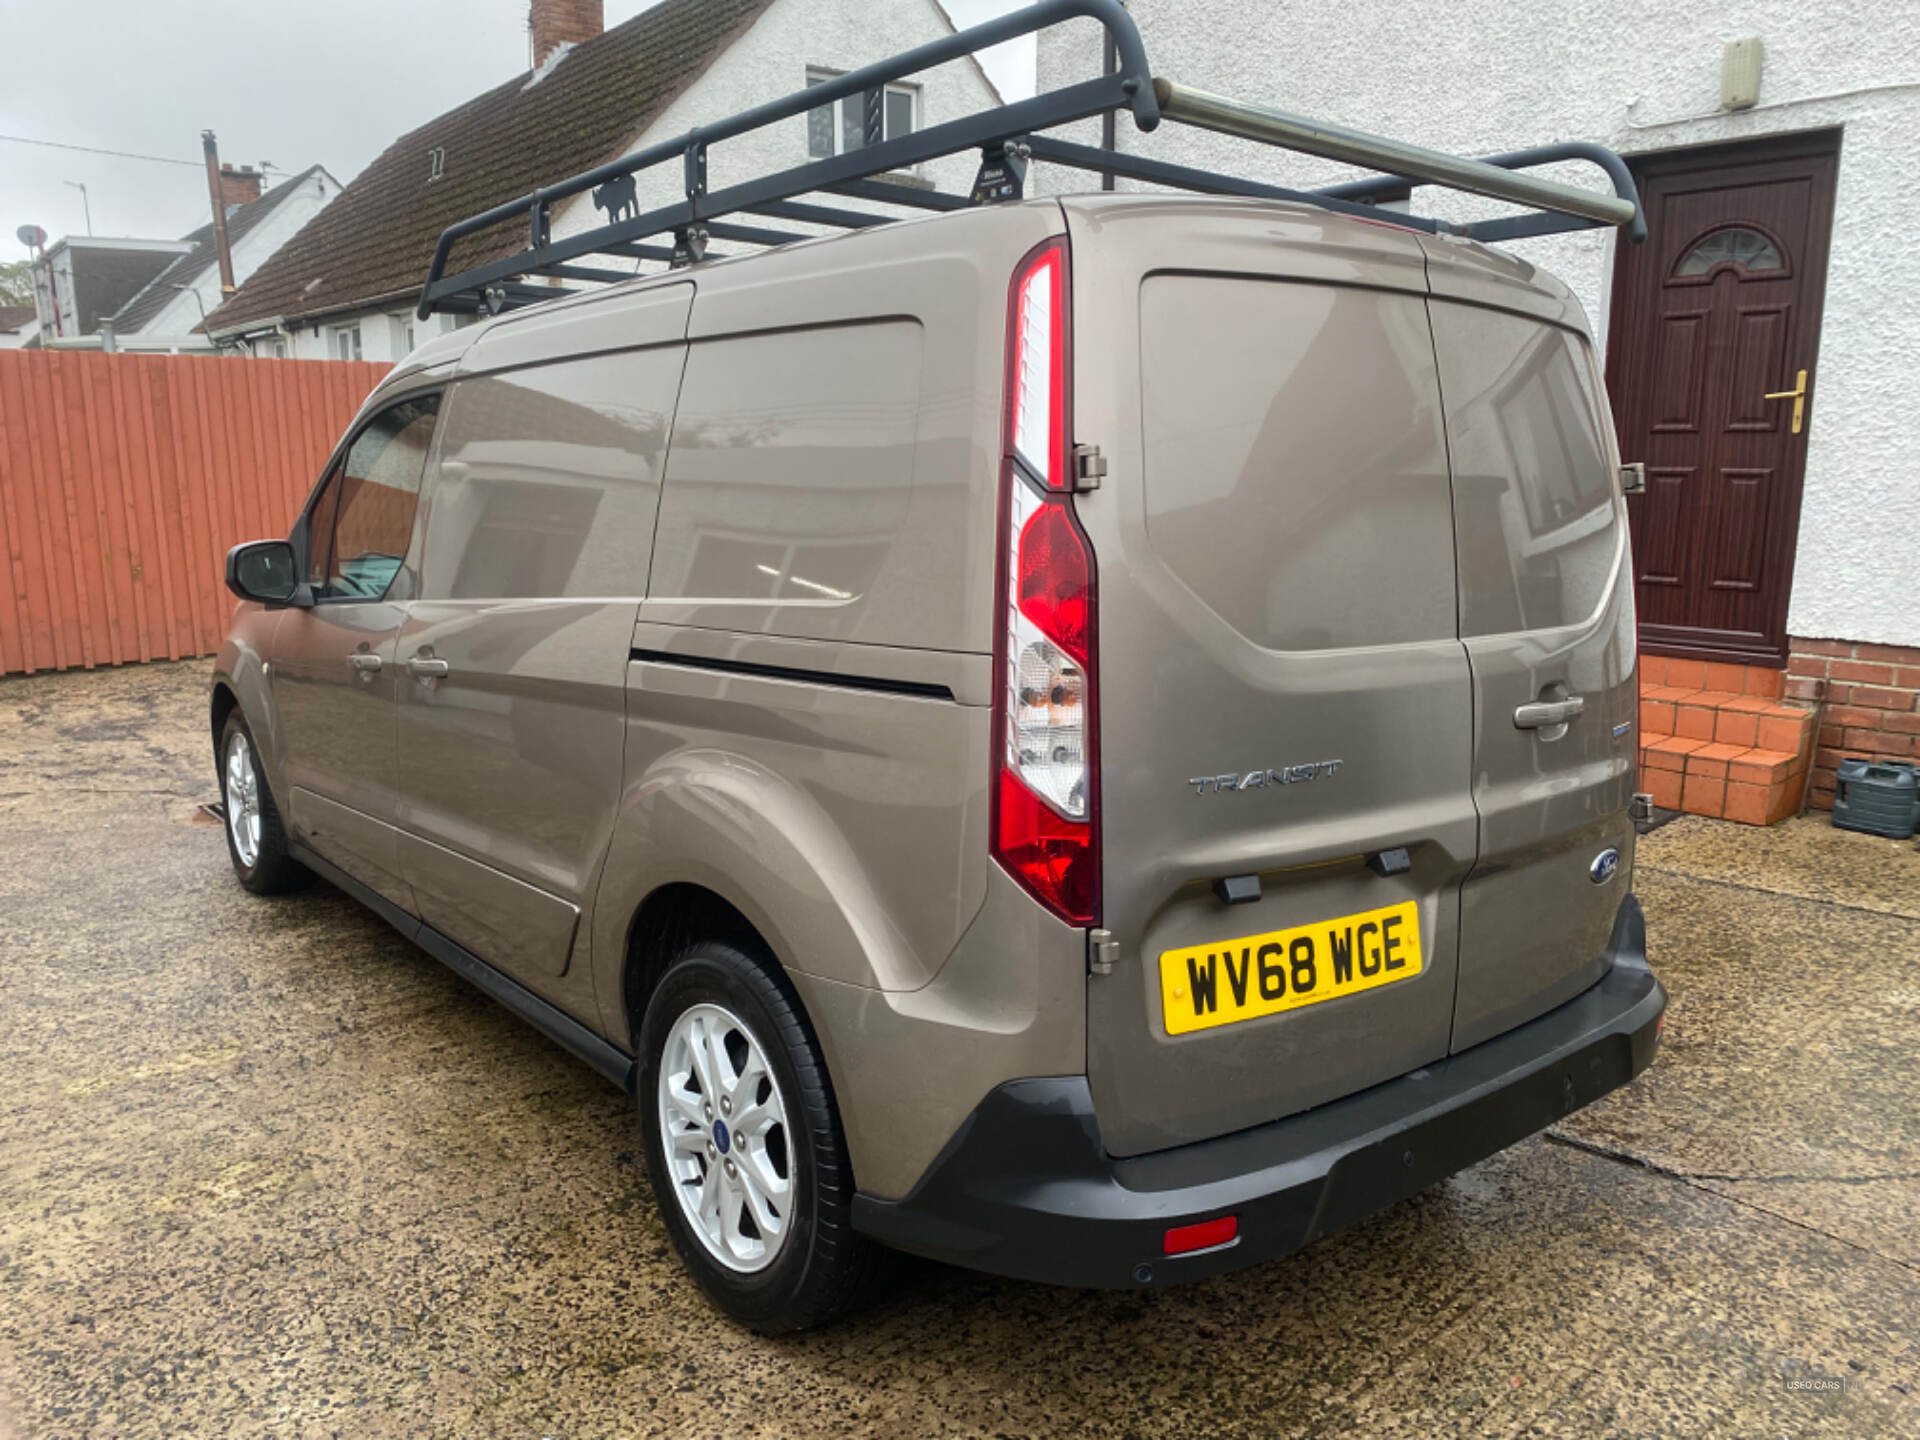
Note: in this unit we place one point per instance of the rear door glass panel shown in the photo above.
(1296, 473)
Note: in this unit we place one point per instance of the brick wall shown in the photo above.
(1868, 697)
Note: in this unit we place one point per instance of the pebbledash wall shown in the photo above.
(1641, 77)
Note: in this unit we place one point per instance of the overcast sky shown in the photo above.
(290, 82)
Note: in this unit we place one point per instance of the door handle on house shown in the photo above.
(1544, 714)
(365, 662)
(425, 667)
(1798, 394)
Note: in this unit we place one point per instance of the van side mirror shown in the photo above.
(263, 570)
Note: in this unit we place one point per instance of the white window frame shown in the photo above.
(816, 74)
(347, 338)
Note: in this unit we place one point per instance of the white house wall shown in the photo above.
(1477, 79)
(250, 252)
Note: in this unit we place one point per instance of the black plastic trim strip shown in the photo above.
(885, 684)
(609, 1059)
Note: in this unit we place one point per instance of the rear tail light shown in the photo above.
(1046, 780)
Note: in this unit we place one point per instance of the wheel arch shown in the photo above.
(671, 917)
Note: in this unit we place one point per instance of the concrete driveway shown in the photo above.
(267, 1170)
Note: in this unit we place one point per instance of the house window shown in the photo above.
(279, 349)
(836, 129)
(346, 343)
(402, 329)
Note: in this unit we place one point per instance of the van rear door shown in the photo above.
(1546, 606)
(1281, 689)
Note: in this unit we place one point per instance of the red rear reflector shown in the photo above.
(1184, 1239)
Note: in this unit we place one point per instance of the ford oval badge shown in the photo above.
(1604, 864)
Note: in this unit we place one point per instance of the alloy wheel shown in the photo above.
(723, 1126)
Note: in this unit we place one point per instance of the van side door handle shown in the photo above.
(364, 661)
(426, 667)
(1543, 714)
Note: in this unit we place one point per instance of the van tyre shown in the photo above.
(744, 1146)
(256, 840)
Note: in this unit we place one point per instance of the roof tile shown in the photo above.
(375, 240)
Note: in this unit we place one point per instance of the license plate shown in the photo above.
(1232, 980)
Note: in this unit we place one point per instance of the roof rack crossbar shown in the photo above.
(753, 234)
(1137, 167)
(864, 173)
(817, 214)
(585, 272)
(892, 193)
(634, 251)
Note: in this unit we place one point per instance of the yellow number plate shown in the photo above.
(1233, 980)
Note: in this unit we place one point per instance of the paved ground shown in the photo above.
(266, 1170)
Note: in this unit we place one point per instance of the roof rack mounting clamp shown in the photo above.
(539, 226)
(695, 163)
(689, 246)
(494, 298)
(1003, 172)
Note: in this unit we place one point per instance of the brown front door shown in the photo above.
(1720, 307)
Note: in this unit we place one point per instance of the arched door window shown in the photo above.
(1739, 246)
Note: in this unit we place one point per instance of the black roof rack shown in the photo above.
(1008, 139)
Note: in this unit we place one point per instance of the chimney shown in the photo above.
(238, 187)
(563, 22)
(219, 204)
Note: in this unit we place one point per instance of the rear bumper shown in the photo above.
(1025, 1189)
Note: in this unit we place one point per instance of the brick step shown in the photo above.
(1714, 675)
(1750, 784)
(1716, 739)
(1724, 717)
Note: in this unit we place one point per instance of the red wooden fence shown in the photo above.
(124, 479)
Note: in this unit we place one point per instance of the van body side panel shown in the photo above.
(1546, 614)
(1276, 592)
(854, 818)
(790, 484)
(840, 426)
(534, 561)
(909, 1066)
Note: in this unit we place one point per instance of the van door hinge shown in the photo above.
(1102, 951)
(1633, 478)
(1089, 467)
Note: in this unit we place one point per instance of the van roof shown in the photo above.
(1497, 276)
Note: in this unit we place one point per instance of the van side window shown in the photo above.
(378, 487)
(320, 529)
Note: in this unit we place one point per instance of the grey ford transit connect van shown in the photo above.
(1090, 738)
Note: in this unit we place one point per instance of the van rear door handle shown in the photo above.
(1540, 714)
(427, 667)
